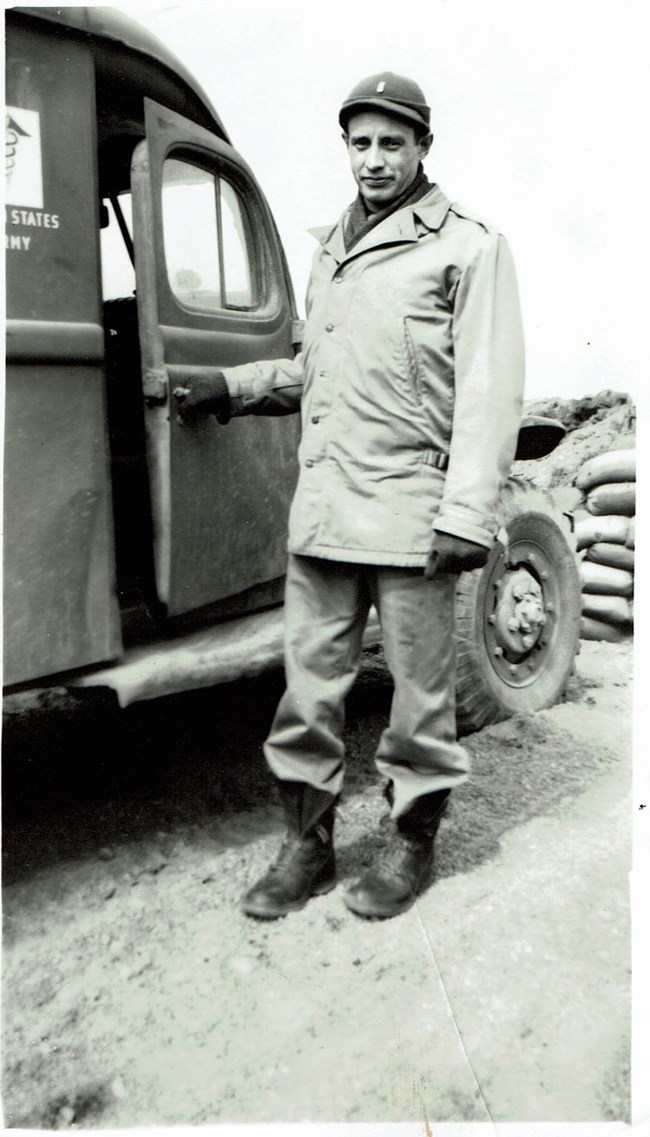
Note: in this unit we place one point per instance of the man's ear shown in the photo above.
(424, 144)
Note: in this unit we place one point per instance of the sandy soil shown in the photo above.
(136, 993)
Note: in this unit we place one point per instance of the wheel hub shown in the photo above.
(520, 609)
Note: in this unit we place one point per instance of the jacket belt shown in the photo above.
(436, 458)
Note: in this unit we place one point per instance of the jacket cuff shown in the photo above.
(464, 523)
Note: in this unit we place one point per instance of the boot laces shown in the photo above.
(288, 850)
(296, 849)
(398, 848)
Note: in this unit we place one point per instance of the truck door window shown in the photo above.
(189, 206)
(206, 239)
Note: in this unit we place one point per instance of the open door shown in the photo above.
(212, 291)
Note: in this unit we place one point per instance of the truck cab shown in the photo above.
(140, 250)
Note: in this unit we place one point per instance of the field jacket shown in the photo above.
(410, 385)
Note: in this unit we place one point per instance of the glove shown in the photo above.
(454, 555)
(204, 395)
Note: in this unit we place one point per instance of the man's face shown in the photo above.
(384, 155)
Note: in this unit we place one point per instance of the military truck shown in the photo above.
(141, 553)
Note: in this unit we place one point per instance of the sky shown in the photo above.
(536, 112)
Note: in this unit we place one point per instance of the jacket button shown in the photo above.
(315, 419)
(309, 463)
(329, 327)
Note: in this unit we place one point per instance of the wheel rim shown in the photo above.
(486, 688)
(520, 613)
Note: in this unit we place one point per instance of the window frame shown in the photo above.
(265, 294)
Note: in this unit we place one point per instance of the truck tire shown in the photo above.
(518, 619)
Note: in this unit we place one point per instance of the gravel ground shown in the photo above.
(135, 993)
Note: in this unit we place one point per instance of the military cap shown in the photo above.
(391, 93)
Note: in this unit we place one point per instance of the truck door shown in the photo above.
(212, 291)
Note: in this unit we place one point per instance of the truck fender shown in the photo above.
(538, 436)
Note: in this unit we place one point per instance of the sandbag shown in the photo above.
(605, 581)
(607, 553)
(629, 540)
(589, 530)
(610, 609)
(591, 629)
(614, 497)
(614, 466)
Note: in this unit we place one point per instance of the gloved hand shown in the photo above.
(454, 555)
(203, 394)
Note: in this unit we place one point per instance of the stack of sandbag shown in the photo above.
(605, 542)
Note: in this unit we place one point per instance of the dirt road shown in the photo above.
(135, 992)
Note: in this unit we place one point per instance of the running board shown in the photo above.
(237, 649)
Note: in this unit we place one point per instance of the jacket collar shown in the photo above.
(401, 226)
(432, 210)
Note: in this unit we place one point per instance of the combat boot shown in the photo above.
(405, 869)
(306, 864)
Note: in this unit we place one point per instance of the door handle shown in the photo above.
(154, 385)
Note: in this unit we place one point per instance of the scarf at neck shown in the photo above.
(360, 221)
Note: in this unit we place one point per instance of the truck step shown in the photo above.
(237, 649)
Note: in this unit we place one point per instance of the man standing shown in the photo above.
(410, 385)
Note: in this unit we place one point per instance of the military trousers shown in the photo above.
(326, 609)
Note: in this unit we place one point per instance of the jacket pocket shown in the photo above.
(413, 365)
